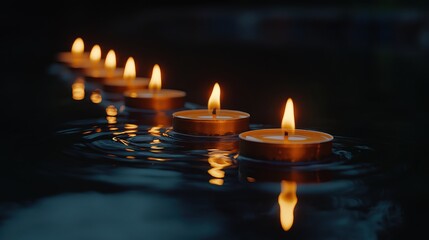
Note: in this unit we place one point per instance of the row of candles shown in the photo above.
(277, 144)
(286, 144)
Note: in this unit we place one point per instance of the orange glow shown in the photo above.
(130, 126)
(156, 131)
(110, 63)
(77, 47)
(216, 181)
(288, 121)
(96, 96)
(78, 89)
(155, 80)
(218, 160)
(111, 110)
(155, 145)
(214, 100)
(95, 54)
(287, 202)
(250, 179)
(130, 70)
(111, 119)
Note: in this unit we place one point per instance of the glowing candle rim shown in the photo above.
(70, 59)
(122, 81)
(279, 131)
(182, 114)
(162, 93)
(121, 85)
(101, 74)
(210, 126)
(163, 99)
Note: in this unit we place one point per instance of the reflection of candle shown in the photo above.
(108, 72)
(287, 201)
(128, 81)
(218, 161)
(76, 57)
(96, 96)
(287, 143)
(213, 121)
(155, 98)
(78, 89)
(111, 113)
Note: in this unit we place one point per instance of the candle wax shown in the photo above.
(277, 136)
(74, 61)
(122, 85)
(101, 74)
(203, 122)
(70, 58)
(163, 93)
(204, 114)
(164, 99)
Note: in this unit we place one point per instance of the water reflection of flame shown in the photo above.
(96, 96)
(111, 112)
(78, 89)
(218, 160)
(155, 131)
(287, 202)
(156, 142)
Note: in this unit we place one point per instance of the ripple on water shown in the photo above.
(129, 142)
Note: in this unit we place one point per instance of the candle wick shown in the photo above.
(214, 113)
(286, 134)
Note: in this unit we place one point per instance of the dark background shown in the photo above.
(354, 68)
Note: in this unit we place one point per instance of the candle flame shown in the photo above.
(95, 54)
(130, 70)
(110, 62)
(214, 100)
(288, 121)
(78, 46)
(155, 80)
(287, 201)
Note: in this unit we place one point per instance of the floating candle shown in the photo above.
(109, 71)
(76, 57)
(93, 62)
(286, 143)
(127, 82)
(212, 121)
(155, 98)
(95, 58)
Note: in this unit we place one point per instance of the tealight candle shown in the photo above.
(94, 58)
(286, 143)
(109, 71)
(76, 57)
(155, 98)
(128, 82)
(212, 121)
(93, 62)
